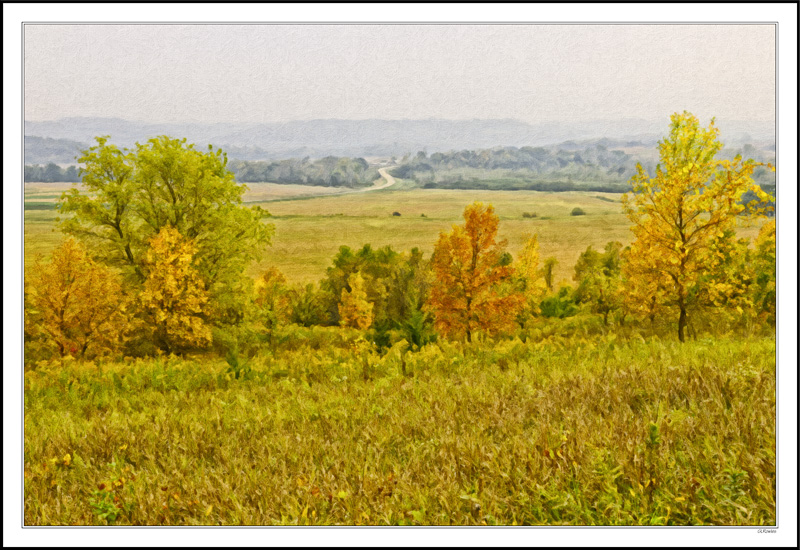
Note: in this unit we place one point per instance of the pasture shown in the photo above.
(310, 229)
(309, 232)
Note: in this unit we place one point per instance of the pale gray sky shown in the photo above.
(268, 73)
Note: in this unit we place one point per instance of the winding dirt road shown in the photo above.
(385, 175)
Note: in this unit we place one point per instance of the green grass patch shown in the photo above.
(597, 432)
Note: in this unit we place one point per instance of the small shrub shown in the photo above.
(74, 306)
(577, 212)
(423, 216)
(236, 367)
(380, 335)
(530, 215)
(418, 330)
(561, 305)
(395, 213)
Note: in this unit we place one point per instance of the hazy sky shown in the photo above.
(266, 73)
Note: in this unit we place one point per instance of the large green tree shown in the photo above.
(128, 196)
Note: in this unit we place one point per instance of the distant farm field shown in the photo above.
(310, 230)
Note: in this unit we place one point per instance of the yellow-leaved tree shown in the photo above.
(531, 277)
(473, 290)
(354, 309)
(641, 297)
(174, 298)
(745, 281)
(684, 216)
(74, 306)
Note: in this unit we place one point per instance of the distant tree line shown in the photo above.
(328, 171)
(593, 163)
(50, 173)
(526, 185)
(566, 167)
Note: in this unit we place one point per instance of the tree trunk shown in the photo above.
(652, 314)
(469, 318)
(682, 324)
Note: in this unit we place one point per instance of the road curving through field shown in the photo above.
(385, 175)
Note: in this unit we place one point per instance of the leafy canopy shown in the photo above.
(129, 196)
(354, 309)
(598, 275)
(685, 215)
(75, 306)
(396, 283)
(174, 297)
(472, 290)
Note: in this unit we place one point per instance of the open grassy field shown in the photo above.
(573, 432)
(309, 231)
(279, 191)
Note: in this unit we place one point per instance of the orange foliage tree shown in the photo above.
(174, 297)
(74, 306)
(472, 290)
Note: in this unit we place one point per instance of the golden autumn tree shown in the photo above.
(683, 214)
(745, 280)
(641, 297)
(74, 306)
(472, 290)
(174, 298)
(354, 309)
(530, 276)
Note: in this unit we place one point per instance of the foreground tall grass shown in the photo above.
(643, 432)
